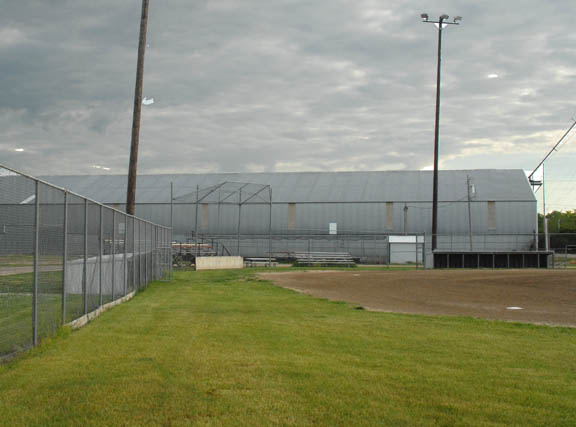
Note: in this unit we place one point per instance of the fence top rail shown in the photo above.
(488, 252)
(65, 190)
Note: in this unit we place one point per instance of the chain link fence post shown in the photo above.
(113, 254)
(36, 257)
(85, 272)
(100, 250)
(64, 257)
(134, 254)
(125, 266)
(61, 244)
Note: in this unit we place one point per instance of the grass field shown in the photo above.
(222, 348)
(16, 302)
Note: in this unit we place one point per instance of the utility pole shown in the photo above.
(131, 190)
(442, 21)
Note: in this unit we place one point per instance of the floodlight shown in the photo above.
(440, 24)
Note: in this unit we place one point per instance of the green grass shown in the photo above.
(23, 260)
(221, 348)
(16, 302)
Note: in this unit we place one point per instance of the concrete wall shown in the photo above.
(219, 262)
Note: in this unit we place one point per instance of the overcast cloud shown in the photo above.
(285, 85)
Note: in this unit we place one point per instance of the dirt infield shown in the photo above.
(544, 296)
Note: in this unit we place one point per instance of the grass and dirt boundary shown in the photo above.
(227, 348)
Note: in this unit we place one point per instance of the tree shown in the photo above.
(558, 222)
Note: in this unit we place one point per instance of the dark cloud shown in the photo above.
(285, 85)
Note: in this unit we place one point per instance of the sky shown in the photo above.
(288, 85)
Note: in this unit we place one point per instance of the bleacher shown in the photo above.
(260, 262)
(343, 259)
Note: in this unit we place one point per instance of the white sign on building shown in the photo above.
(333, 228)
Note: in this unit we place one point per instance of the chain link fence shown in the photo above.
(63, 256)
(380, 248)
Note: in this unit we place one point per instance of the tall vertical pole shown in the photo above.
(101, 249)
(64, 255)
(196, 222)
(545, 219)
(436, 135)
(171, 238)
(156, 254)
(238, 228)
(140, 257)
(36, 263)
(113, 254)
(146, 257)
(124, 266)
(85, 273)
(219, 204)
(169, 248)
(170, 259)
(133, 253)
(131, 191)
(171, 204)
(468, 184)
(270, 229)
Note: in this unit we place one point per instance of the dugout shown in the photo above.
(492, 259)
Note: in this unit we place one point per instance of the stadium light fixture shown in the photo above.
(442, 21)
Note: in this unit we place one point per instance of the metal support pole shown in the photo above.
(158, 251)
(238, 229)
(140, 255)
(219, 205)
(155, 253)
(36, 262)
(468, 184)
(424, 252)
(442, 21)
(125, 266)
(436, 136)
(196, 223)
(101, 249)
(148, 232)
(85, 274)
(544, 218)
(171, 204)
(64, 256)
(270, 229)
(145, 254)
(134, 254)
(416, 252)
(169, 246)
(171, 238)
(113, 253)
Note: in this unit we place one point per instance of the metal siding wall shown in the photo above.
(511, 217)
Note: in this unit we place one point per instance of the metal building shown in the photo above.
(353, 211)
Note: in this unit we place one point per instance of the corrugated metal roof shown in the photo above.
(490, 184)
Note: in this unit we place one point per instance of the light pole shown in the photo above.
(442, 21)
